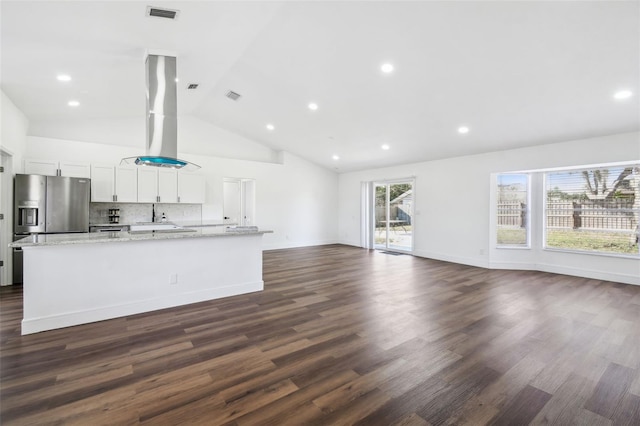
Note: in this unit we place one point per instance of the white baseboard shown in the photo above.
(350, 243)
(480, 263)
(526, 266)
(588, 273)
(35, 325)
(568, 270)
(286, 245)
(520, 266)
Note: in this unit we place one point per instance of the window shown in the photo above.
(594, 210)
(512, 210)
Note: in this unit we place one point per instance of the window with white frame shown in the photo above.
(512, 222)
(593, 209)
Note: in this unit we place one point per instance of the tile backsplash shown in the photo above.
(141, 212)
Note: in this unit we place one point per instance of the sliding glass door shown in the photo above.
(393, 222)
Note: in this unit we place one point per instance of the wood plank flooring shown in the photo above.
(342, 336)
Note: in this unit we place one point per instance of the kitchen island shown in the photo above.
(72, 279)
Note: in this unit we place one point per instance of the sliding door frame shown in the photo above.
(372, 224)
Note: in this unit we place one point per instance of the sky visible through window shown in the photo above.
(574, 181)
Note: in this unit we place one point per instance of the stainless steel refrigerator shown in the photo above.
(48, 205)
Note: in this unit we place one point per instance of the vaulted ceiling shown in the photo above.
(514, 73)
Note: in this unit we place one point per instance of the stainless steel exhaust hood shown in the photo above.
(162, 117)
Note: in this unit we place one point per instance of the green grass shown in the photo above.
(512, 236)
(601, 241)
(610, 242)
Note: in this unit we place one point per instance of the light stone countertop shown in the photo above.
(186, 224)
(39, 240)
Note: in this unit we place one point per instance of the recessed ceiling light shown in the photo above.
(387, 68)
(313, 106)
(64, 77)
(335, 157)
(623, 94)
(73, 103)
(270, 126)
(177, 80)
(463, 130)
(385, 147)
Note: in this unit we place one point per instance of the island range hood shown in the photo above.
(162, 117)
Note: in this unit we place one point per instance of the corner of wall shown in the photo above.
(15, 126)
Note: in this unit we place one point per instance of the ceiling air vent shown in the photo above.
(192, 86)
(162, 13)
(233, 95)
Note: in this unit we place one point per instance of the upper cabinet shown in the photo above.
(157, 185)
(191, 188)
(57, 168)
(127, 184)
(147, 185)
(103, 181)
(114, 183)
(167, 186)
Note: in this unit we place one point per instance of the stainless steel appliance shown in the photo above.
(162, 116)
(48, 205)
(108, 228)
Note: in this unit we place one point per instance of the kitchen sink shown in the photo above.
(158, 227)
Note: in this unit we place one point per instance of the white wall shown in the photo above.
(452, 206)
(195, 136)
(295, 198)
(14, 126)
(13, 143)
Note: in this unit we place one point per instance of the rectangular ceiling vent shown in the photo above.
(233, 95)
(157, 12)
(192, 86)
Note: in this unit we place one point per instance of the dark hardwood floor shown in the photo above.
(343, 335)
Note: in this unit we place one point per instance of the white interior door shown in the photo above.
(248, 202)
(239, 201)
(6, 206)
(231, 201)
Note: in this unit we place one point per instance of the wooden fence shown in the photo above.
(396, 212)
(512, 214)
(610, 214)
(605, 214)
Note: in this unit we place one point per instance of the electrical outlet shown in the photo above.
(174, 279)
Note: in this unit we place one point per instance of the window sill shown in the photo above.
(499, 247)
(593, 253)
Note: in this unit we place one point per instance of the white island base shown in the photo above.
(73, 284)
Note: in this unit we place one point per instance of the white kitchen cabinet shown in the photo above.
(71, 169)
(103, 180)
(157, 185)
(114, 184)
(167, 186)
(57, 168)
(147, 185)
(191, 188)
(41, 167)
(126, 184)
